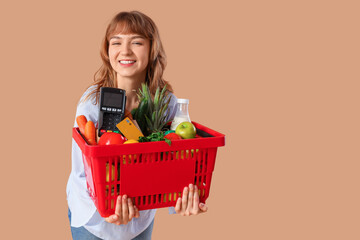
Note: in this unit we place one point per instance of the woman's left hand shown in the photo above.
(189, 203)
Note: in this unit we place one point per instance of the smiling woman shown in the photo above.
(139, 30)
(132, 54)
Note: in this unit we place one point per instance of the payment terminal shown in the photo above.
(112, 109)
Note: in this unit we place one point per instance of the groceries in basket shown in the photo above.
(141, 156)
(148, 123)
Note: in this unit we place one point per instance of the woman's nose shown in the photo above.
(126, 49)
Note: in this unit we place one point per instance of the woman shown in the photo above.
(132, 54)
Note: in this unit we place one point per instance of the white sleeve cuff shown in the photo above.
(172, 210)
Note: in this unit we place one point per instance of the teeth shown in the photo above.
(126, 62)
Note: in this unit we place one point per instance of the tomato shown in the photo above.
(111, 138)
(173, 136)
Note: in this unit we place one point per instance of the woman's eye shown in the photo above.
(115, 43)
(137, 43)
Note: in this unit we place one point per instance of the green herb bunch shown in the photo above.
(154, 137)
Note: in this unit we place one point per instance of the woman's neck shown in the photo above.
(131, 86)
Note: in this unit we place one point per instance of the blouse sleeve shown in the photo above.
(81, 206)
(172, 106)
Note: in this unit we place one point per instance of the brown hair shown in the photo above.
(138, 23)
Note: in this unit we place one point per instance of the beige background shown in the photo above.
(279, 78)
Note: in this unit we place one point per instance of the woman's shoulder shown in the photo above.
(172, 105)
(87, 105)
(173, 99)
(89, 94)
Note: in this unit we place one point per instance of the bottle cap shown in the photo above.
(182, 100)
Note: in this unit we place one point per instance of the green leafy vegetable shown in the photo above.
(155, 137)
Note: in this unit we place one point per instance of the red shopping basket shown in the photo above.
(153, 174)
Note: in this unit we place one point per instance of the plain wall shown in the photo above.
(279, 78)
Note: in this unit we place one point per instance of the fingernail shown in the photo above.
(124, 197)
(201, 204)
(114, 217)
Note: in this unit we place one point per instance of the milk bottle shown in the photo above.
(182, 113)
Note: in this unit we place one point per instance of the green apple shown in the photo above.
(186, 130)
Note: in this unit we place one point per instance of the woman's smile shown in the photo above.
(127, 62)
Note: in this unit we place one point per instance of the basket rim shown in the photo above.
(217, 140)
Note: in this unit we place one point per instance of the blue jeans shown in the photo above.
(81, 233)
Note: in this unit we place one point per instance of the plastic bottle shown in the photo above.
(182, 113)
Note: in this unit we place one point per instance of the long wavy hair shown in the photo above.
(133, 22)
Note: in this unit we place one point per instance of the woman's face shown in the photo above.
(129, 55)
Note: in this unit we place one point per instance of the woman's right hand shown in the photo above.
(124, 211)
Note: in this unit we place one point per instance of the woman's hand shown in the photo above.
(189, 203)
(124, 211)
